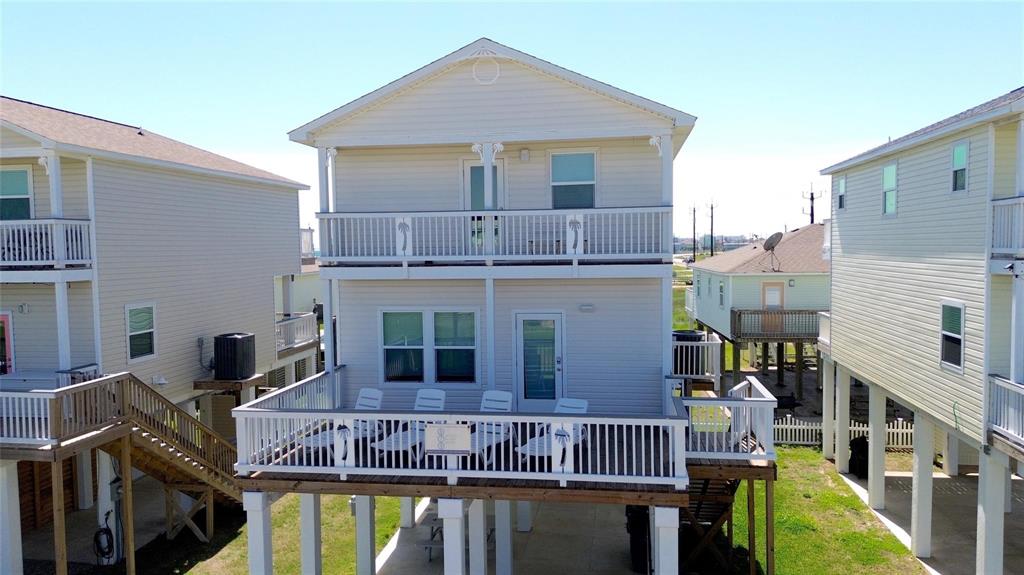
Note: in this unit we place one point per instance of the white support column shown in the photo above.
(450, 513)
(406, 512)
(10, 519)
(477, 537)
(323, 171)
(1017, 322)
(666, 342)
(491, 331)
(842, 420)
(502, 537)
(1020, 157)
(63, 325)
(524, 516)
(336, 306)
(991, 476)
(828, 407)
(366, 527)
(332, 176)
(83, 485)
(876, 447)
(257, 518)
(309, 514)
(665, 150)
(666, 537)
(51, 162)
(328, 338)
(951, 456)
(247, 394)
(921, 496)
(286, 293)
(104, 502)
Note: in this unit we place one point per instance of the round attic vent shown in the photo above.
(486, 68)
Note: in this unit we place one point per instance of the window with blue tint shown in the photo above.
(403, 346)
(476, 188)
(455, 346)
(952, 334)
(841, 192)
(960, 166)
(141, 319)
(573, 180)
(15, 194)
(889, 189)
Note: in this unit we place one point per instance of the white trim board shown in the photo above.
(483, 272)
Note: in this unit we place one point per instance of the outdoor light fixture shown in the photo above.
(524, 155)
(792, 283)
(159, 380)
(23, 308)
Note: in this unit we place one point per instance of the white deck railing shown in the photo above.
(515, 235)
(697, 360)
(1006, 408)
(825, 329)
(296, 329)
(53, 242)
(280, 433)
(689, 304)
(1008, 225)
(739, 426)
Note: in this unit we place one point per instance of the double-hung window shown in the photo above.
(721, 294)
(15, 193)
(140, 322)
(952, 332)
(696, 282)
(841, 192)
(573, 180)
(430, 346)
(889, 189)
(403, 346)
(959, 159)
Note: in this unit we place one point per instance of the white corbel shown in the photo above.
(656, 142)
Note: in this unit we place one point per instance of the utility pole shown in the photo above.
(811, 198)
(711, 207)
(694, 246)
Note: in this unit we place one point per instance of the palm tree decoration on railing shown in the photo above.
(403, 227)
(575, 224)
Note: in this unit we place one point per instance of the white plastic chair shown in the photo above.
(369, 399)
(411, 438)
(487, 435)
(540, 445)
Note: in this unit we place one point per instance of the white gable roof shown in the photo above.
(486, 47)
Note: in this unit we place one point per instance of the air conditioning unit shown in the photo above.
(234, 356)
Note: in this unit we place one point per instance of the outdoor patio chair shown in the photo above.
(487, 435)
(540, 445)
(369, 399)
(411, 438)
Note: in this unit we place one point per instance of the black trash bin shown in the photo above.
(638, 526)
(687, 360)
(859, 457)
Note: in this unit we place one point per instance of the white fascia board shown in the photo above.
(760, 274)
(85, 152)
(507, 138)
(22, 152)
(303, 134)
(964, 124)
(496, 272)
(46, 276)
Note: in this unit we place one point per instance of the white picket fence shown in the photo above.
(791, 430)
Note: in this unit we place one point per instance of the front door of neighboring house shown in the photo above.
(473, 198)
(6, 343)
(772, 299)
(539, 365)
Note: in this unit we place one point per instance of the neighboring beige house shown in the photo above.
(752, 296)
(927, 302)
(122, 250)
(496, 246)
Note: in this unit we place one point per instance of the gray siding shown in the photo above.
(205, 250)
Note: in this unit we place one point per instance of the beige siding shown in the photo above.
(521, 101)
(889, 275)
(807, 292)
(428, 178)
(1001, 304)
(10, 139)
(608, 351)
(76, 202)
(1005, 161)
(35, 327)
(204, 250)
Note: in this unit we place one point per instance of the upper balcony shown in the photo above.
(45, 244)
(1008, 227)
(775, 325)
(295, 331)
(497, 236)
(1006, 411)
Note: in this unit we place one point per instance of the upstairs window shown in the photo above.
(573, 180)
(889, 189)
(403, 346)
(841, 192)
(141, 325)
(15, 193)
(960, 166)
(953, 335)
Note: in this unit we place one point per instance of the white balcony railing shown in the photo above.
(297, 430)
(1006, 408)
(1008, 226)
(696, 360)
(296, 329)
(524, 235)
(690, 304)
(739, 426)
(825, 329)
(34, 243)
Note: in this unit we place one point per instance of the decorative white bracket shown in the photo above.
(45, 163)
(487, 151)
(656, 142)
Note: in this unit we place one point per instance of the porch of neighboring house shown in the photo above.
(684, 465)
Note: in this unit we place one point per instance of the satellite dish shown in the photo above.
(772, 241)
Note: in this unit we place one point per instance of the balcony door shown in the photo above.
(539, 374)
(473, 185)
(6, 344)
(772, 299)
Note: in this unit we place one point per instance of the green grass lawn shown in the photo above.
(337, 531)
(821, 526)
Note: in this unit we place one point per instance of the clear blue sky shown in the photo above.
(780, 90)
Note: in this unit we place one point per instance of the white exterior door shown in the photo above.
(473, 185)
(539, 381)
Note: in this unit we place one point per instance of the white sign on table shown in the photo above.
(447, 439)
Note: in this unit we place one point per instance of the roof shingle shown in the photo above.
(799, 251)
